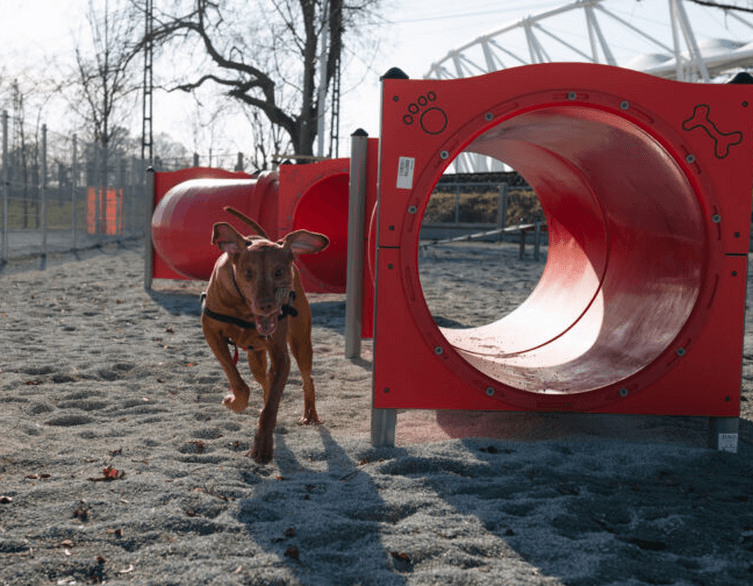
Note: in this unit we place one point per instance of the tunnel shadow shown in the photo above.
(592, 516)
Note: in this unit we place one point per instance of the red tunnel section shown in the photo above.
(190, 202)
(641, 303)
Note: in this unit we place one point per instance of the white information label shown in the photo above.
(405, 168)
(728, 442)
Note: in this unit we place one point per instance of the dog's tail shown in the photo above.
(246, 220)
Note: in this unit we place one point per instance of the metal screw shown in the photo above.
(386, 389)
(412, 209)
(681, 351)
(572, 96)
(489, 392)
(390, 265)
(444, 155)
(438, 350)
(690, 159)
(624, 105)
(489, 116)
(716, 218)
(623, 392)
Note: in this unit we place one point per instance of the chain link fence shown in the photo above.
(61, 194)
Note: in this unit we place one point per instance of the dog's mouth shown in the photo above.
(267, 324)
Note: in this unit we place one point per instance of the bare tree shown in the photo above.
(267, 55)
(740, 5)
(104, 80)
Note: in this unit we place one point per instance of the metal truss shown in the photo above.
(599, 31)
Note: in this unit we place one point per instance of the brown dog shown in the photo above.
(255, 301)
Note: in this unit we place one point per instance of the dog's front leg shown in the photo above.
(238, 400)
(278, 375)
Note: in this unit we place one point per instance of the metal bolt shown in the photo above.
(489, 116)
(623, 392)
(412, 209)
(444, 155)
(386, 389)
(690, 159)
(438, 350)
(489, 392)
(716, 218)
(681, 351)
(624, 105)
(572, 96)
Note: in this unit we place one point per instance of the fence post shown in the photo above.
(537, 241)
(120, 194)
(6, 186)
(502, 210)
(43, 190)
(74, 182)
(457, 203)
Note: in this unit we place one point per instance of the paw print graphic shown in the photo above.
(430, 117)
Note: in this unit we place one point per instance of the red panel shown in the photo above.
(646, 187)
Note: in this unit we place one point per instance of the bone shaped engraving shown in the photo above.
(723, 141)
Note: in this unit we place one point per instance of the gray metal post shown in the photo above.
(6, 185)
(356, 225)
(537, 241)
(383, 426)
(522, 252)
(148, 250)
(502, 210)
(43, 189)
(74, 184)
(724, 433)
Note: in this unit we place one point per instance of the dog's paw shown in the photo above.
(310, 419)
(262, 450)
(237, 401)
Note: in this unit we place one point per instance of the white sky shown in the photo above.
(38, 33)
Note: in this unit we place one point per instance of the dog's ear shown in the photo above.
(227, 238)
(258, 230)
(305, 242)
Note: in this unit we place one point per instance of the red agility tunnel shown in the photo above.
(189, 202)
(646, 186)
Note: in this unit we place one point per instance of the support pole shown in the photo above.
(354, 272)
(724, 433)
(148, 247)
(383, 425)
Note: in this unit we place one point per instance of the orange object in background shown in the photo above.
(106, 215)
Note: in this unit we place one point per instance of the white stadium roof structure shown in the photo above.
(673, 39)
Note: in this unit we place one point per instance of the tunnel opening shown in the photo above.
(323, 208)
(627, 252)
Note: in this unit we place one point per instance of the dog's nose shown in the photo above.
(266, 306)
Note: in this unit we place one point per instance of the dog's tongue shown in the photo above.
(266, 324)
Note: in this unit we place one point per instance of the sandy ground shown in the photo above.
(119, 465)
